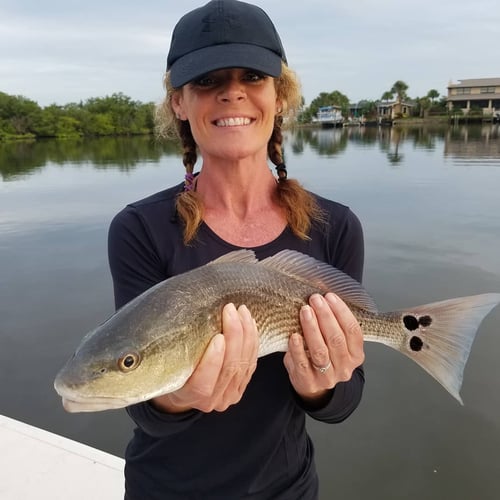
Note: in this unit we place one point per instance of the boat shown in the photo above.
(38, 464)
(329, 116)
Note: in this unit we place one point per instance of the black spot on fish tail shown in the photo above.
(425, 321)
(410, 322)
(416, 344)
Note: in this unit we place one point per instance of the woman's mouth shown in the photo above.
(236, 121)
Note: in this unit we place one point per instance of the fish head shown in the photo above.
(113, 369)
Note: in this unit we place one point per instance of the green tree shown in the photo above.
(369, 109)
(433, 94)
(111, 115)
(335, 98)
(17, 115)
(387, 96)
(399, 88)
(423, 106)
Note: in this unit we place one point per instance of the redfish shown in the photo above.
(152, 345)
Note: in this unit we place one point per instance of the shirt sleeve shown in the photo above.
(136, 266)
(349, 258)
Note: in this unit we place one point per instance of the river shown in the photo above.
(429, 202)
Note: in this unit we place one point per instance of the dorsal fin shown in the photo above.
(322, 275)
(242, 256)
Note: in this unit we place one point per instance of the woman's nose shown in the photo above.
(232, 91)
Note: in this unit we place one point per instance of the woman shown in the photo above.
(237, 427)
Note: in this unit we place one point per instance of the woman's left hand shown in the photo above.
(329, 352)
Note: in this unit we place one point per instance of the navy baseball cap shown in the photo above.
(224, 34)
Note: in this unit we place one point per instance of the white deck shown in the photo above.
(36, 464)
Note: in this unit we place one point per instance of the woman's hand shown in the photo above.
(224, 371)
(329, 352)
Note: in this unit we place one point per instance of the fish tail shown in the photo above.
(441, 335)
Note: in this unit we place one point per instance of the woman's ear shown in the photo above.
(280, 106)
(177, 106)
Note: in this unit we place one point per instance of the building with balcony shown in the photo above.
(480, 94)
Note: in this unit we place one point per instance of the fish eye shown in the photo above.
(129, 361)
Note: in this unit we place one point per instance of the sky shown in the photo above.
(62, 51)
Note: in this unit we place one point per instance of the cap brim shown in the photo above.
(202, 61)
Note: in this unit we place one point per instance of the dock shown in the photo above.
(37, 464)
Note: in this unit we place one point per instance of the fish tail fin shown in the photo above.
(443, 333)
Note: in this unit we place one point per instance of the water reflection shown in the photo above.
(473, 144)
(459, 142)
(19, 159)
(326, 142)
(26, 157)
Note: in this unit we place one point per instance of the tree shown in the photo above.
(399, 88)
(335, 98)
(387, 96)
(17, 114)
(432, 95)
(423, 106)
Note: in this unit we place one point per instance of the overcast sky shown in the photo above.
(61, 51)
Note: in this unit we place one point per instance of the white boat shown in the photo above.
(329, 116)
(37, 464)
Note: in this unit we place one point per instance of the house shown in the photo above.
(480, 93)
(392, 110)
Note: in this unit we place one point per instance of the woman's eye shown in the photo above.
(204, 81)
(254, 76)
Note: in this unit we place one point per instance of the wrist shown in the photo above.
(165, 404)
(317, 400)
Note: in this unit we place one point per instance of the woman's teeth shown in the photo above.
(232, 122)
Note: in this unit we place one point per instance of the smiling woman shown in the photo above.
(228, 91)
(172, 121)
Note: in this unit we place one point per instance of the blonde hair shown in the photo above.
(298, 204)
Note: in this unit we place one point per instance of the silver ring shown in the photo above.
(322, 369)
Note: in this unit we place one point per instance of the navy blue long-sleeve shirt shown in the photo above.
(258, 448)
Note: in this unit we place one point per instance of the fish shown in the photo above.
(152, 345)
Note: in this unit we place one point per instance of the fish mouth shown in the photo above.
(74, 402)
(92, 404)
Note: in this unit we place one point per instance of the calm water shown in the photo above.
(429, 201)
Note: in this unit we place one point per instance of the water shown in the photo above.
(430, 206)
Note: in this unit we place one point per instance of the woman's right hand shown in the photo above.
(221, 377)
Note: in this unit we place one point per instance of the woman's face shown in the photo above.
(231, 113)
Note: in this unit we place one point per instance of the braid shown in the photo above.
(275, 151)
(300, 206)
(189, 156)
(188, 203)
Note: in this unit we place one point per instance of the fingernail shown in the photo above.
(331, 297)
(243, 310)
(218, 343)
(296, 339)
(230, 309)
(316, 300)
(306, 313)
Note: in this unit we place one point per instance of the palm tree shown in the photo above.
(432, 95)
(387, 96)
(399, 88)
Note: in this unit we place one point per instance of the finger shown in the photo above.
(204, 379)
(250, 340)
(250, 347)
(233, 335)
(318, 328)
(296, 359)
(346, 320)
